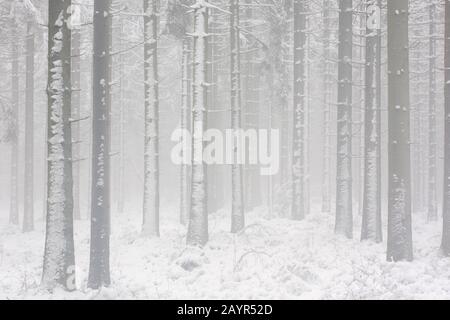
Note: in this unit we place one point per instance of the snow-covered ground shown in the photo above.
(272, 259)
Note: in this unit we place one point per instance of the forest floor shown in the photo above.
(272, 259)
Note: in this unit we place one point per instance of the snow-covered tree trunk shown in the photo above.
(327, 80)
(237, 205)
(432, 140)
(371, 221)
(379, 97)
(446, 199)
(122, 127)
(184, 125)
(150, 225)
(399, 207)
(14, 188)
(99, 275)
(59, 257)
(298, 152)
(28, 211)
(213, 171)
(198, 219)
(252, 192)
(361, 103)
(344, 215)
(76, 114)
(308, 113)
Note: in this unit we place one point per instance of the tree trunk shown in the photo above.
(432, 142)
(298, 152)
(100, 205)
(14, 189)
(308, 115)
(184, 125)
(446, 200)
(237, 205)
(76, 114)
(252, 188)
(59, 257)
(371, 221)
(151, 149)
(399, 222)
(344, 216)
(121, 174)
(28, 213)
(327, 81)
(198, 218)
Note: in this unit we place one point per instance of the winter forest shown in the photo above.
(225, 149)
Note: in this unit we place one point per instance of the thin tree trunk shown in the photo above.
(344, 216)
(184, 125)
(298, 152)
(359, 105)
(59, 257)
(432, 142)
(76, 114)
(99, 274)
(446, 199)
(252, 192)
(326, 167)
(151, 150)
(14, 189)
(213, 183)
(308, 114)
(237, 206)
(378, 93)
(198, 219)
(121, 183)
(399, 223)
(28, 214)
(371, 221)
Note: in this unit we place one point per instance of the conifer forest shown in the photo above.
(225, 149)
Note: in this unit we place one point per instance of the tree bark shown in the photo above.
(371, 221)
(298, 152)
(237, 206)
(399, 222)
(151, 149)
(327, 80)
(59, 256)
(344, 215)
(184, 125)
(14, 205)
(198, 219)
(28, 213)
(446, 199)
(252, 193)
(99, 275)
(432, 140)
(122, 157)
(76, 114)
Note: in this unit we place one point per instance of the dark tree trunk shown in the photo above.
(100, 205)
(399, 222)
